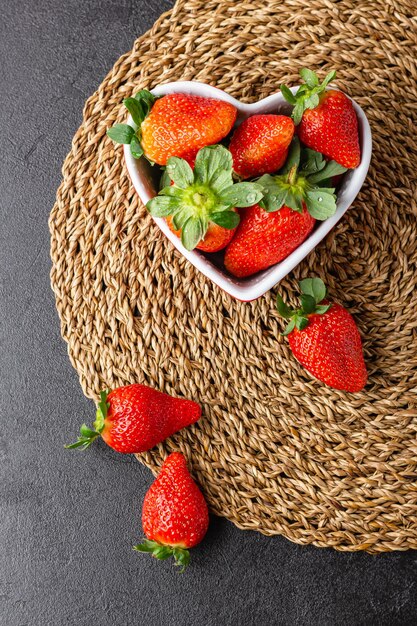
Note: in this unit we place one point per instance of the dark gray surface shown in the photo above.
(68, 520)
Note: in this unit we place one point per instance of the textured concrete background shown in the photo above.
(68, 520)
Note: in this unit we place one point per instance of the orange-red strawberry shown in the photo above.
(260, 144)
(180, 124)
(175, 515)
(326, 120)
(201, 204)
(135, 418)
(324, 338)
(215, 239)
(263, 239)
(177, 124)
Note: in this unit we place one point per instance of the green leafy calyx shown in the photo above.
(88, 435)
(313, 292)
(139, 108)
(308, 94)
(304, 180)
(163, 552)
(203, 195)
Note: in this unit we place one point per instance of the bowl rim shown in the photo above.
(254, 287)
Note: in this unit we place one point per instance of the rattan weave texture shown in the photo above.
(275, 451)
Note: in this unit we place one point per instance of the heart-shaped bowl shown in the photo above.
(145, 179)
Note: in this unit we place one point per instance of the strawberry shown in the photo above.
(177, 124)
(202, 202)
(326, 119)
(260, 144)
(263, 239)
(175, 515)
(292, 202)
(135, 418)
(324, 338)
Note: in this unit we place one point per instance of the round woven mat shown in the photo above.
(275, 450)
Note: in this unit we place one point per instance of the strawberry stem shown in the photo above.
(308, 94)
(88, 435)
(313, 291)
(162, 552)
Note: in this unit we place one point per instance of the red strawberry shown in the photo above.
(201, 204)
(175, 515)
(324, 338)
(263, 239)
(327, 120)
(135, 418)
(260, 144)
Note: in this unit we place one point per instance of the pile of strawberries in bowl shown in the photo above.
(255, 192)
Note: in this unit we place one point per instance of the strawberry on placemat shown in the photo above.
(175, 515)
(324, 338)
(135, 418)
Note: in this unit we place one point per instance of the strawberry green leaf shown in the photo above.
(192, 233)
(225, 219)
(332, 168)
(294, 154)
(180, 172)
(308, 303)
(86, 438)
(290, 327)
(301, 322)
(274, 194)
(322, 308)
(135, 147)
(146, 546)
(209, 161)
(182, 558)
(330, 76)
(298, 111)
(121, 133)
(172, 191)
(165, 180)
(86, 431)
(242, 194)
(313, 287)
(162, 206)
(221, 179)
(283, 309)
(321, 203)
(309, 77)
(288, 95)
(294, 201)
(147, 100)
(312, 161)
(135, 109)
(163, 552)
(312, 101)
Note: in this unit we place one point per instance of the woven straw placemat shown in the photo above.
(275, 450)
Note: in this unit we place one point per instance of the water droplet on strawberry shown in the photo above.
(251, 197)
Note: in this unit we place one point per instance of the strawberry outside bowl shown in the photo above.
(145, 179)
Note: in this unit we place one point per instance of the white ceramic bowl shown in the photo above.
(145, 181)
